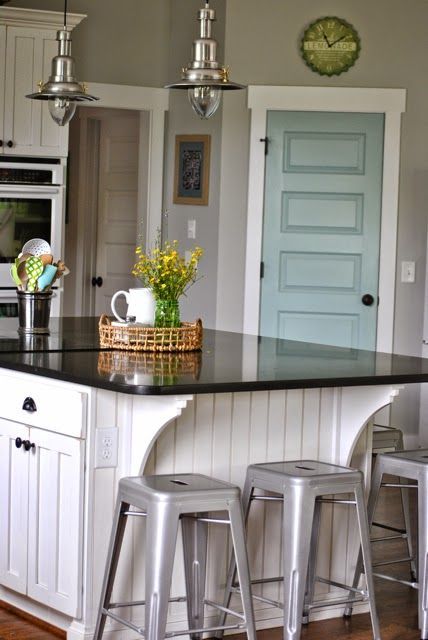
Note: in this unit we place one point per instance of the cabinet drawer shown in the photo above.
(48, 405)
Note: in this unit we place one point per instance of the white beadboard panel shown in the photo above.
(221, 435)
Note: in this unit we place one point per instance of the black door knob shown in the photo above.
(10, 143)
(367, 299)
(97, 282)
(29, 405)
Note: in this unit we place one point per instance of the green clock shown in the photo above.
(330, 46)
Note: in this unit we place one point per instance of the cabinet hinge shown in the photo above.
(266, 141)
(262, 269)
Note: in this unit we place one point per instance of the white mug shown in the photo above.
(141, 304)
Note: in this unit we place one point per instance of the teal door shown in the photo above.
(321, 227)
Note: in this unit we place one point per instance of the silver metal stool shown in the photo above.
(164, 500)
(301, 485)
(385, 440)
(412, 465)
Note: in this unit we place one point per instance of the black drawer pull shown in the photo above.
(10, 143)
(29, 405)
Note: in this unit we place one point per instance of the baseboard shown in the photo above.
(60, 633)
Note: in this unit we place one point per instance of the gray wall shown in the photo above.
(145, 43)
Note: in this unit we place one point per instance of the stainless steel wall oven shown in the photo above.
(31, 206)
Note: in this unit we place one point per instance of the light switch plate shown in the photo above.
(191, 229)
(407, 271)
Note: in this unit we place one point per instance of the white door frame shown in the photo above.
(152, 103)
(390, 102)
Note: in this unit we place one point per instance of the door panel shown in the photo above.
(55, 521)
(321, 227)
(118, 206)
(14, 506)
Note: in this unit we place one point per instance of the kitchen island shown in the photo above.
(84, 417)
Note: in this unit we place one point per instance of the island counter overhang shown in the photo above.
(242, 399)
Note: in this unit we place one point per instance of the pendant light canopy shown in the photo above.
(204, 78)
(62, 90)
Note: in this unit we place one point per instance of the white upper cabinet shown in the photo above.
(27, 46)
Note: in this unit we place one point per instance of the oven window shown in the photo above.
(20, 220)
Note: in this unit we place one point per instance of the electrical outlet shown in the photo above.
(106, 447)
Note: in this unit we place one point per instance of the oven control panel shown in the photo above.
(18, 175)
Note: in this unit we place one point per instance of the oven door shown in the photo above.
(28, 212)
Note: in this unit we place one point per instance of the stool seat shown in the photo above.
(165, 501)
(301, 485)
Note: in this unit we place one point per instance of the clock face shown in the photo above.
(330, 46)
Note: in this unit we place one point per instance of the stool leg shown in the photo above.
(296, 531)
(408, 527)
(366, 556)
(195, 541)
(376, 481)
(161, 538)
(310, 581)
(116, 538)
(423, 557)
(241, 560)
(231, 575)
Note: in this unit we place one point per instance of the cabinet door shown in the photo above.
(13, 506)
(28, 126)
(55, 521)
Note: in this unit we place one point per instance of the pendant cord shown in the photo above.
(65, 14)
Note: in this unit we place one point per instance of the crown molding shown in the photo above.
(17, 16)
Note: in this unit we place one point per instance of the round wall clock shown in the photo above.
(330, 46)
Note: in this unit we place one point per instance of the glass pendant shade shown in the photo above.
(61, 110)
(204, 78)
(204, 100)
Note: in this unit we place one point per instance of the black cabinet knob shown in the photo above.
(10, 144)
(28, 445)
(367, 299)
(97, 282)
(29, 405)
(18, 442)
(1, 143)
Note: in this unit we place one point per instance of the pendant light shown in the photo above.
(204, 78)
(62, 91)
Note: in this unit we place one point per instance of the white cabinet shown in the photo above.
(27, 46)
(41, 495)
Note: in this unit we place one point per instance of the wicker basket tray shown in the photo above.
(188, 337)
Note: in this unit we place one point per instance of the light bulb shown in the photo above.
(204, 100)
(61, 109)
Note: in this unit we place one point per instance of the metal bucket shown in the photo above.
(34, 311)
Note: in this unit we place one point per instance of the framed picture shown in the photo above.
(192, 169)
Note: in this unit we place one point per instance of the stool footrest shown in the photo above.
(386, 562)
(397, 485)
(388, 528)
(333, 603)
(340, 585)
(414, 585)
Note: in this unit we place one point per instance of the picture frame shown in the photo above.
(192, 169)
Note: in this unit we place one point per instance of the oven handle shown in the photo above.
(13, 188)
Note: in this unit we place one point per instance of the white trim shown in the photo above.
(155, 101)
(18, 16)
(392, 103)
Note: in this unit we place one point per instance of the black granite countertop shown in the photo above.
(228, 362)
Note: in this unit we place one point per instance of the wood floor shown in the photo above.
(397, 604)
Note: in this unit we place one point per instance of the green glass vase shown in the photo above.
(167, 313)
